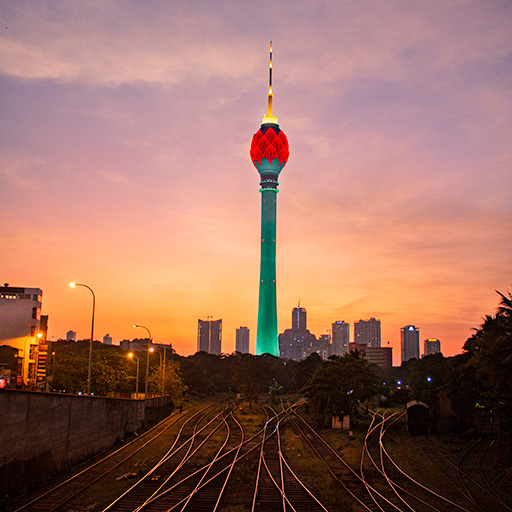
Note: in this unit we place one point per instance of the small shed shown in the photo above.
(418, 417)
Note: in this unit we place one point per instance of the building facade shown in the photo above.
(381, 356)
(20, 322)
(242, 340)
(340, 338)
(410, 342)
(431, 346)
(209, 336)
(71, 336)
(367, 332)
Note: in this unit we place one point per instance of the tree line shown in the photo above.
(475, 386)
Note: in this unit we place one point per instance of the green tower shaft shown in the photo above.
(266, 338)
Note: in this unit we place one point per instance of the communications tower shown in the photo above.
(269, 154)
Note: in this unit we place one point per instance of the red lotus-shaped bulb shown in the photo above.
(269, 143)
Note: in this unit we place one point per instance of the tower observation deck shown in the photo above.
(269, 154)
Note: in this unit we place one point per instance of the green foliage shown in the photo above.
(338, 385)
(166, 380)
(428, 374)
(478, 382)
(490, 350)
(110, 369)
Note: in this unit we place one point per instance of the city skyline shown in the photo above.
(124, 140)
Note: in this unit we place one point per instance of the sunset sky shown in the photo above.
(125, 129)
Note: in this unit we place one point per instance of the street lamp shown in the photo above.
(162, 364)
(133, 356)
(73, 285)
(147, 362)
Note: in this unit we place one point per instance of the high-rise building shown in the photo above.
(410, 342)
(209, 336)
(431, 346)
(71, 336)
(340, 338)
(242, 340)
(269, 154)
(20, 320)
(107, 339)
(299, 318)
(297, 343)
(367, 332)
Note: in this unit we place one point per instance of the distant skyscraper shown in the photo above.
(209, 336)
(71, 336)
(431, 346)
(340, 338)
(242, 340)
(410, 342)
(299, 316)
(269, 154)
(297, 343)
(107, 339)
(367, 332)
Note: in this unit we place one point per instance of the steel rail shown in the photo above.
(460, 472)
(170, 453)
(282, 462)
(396, 486)
(329, 468)
(349, 468)
(374, 425)
(210, 464)
(104, 460)
(437, 466)
(166, 491)
(464, 474)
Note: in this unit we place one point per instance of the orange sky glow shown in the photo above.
(124, 141)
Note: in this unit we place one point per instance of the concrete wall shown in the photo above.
(42, 433)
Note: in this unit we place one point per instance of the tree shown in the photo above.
(338, 385)
(252, 375)
(490, 349)
(170, 376)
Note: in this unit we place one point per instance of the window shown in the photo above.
(34, 312)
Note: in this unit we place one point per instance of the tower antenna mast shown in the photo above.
(270, 118)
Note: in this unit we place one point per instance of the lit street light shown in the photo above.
(147, 362)
(133, 356)
(73, 285)
(162, 364)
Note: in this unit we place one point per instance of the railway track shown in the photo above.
(211, 457)
(343, 474)
(123, 461)
(199, 450)
(475, 482)
(277, 486)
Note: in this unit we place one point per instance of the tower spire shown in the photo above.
(270, 118)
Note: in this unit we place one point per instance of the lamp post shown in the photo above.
(162, 364)
(89, 372)
(133, 356)
(147, 362)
